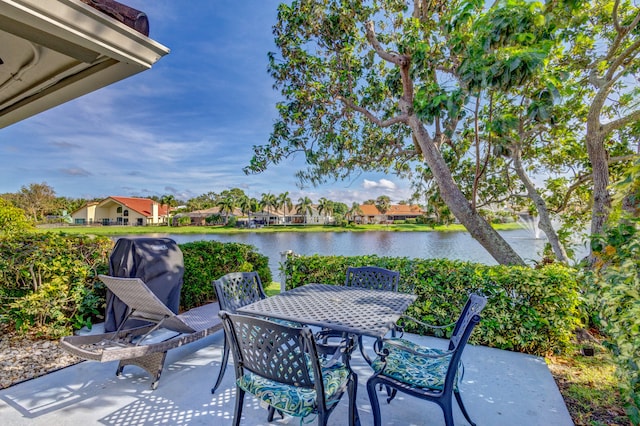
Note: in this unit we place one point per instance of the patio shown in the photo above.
(500, 388)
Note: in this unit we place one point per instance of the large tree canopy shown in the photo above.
(464, 99)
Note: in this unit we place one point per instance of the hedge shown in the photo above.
(205, 261)
(529, 310)
(49, 285)
(48, 281)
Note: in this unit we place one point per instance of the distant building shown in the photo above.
(369, 213)
(121, 211)
(199, 217)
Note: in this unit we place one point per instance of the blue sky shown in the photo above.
(185, 127)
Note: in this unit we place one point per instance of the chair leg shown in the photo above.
(447, 410)
(272, 412)
(223, 365)
(352, 390)
(391, 394)
(239, 403)
(375, 405)
(463, 409)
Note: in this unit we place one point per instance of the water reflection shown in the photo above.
(451, 245)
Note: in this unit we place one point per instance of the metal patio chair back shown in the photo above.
(235, 290)
(372, 277)
(280, 365)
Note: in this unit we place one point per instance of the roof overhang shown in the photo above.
(56, 50)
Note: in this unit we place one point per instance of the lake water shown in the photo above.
(451, 245)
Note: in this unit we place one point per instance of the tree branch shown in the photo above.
(616, 22)
(395, 58)
(402, 61)
(621, 122)
(565, 201)
(585, 177)
(386, 123)
(628, 53)
(620, 158)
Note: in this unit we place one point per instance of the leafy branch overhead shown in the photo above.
(463, 98)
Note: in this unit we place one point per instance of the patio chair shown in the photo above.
(372, 277)
(426, 373)
(145, 346)
(279, 365)
(234, 291)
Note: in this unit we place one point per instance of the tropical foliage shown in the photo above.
(616, 293)
(529, 310)
(473, 101)
(48, 281)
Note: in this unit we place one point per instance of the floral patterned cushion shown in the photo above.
(413, 369)
(294, 400)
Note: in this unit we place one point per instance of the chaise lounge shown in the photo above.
(144, 346)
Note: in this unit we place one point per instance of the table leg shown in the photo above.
(354, 417)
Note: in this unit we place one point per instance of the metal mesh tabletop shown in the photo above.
(346, 309)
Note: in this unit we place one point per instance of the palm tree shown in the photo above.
(382, 204)
(325, 207)
(227, 206)
(353, 211)
(169, 201)
(284, 202)
(304, 207)
(244, 203)
(268, 201)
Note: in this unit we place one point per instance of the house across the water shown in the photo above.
(121, 211)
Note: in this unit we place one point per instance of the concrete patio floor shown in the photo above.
(499, 388)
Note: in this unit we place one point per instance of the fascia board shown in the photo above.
(87, 28)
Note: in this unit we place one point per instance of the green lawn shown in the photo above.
(272, 289)
(131, 230)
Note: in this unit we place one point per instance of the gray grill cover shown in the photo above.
(156, 261)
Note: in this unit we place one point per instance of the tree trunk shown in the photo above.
(600, 172)
(541, 206)
(451, 194)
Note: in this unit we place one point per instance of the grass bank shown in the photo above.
(140, 230)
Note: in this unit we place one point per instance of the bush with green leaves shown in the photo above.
(184, 221)
(616, 294)
(13, 219)
(205, 261)
(48, 281)
(49, 285)
(529, 310)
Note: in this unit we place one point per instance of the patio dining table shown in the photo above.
(349, 310)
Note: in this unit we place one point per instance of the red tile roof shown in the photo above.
(369, 210)
(394, 210)
(141, 205)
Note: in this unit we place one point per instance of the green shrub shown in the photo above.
(184, 221)
(13, 219)
(529, 310)
(616, 294)
(205, 261)
(48, 281)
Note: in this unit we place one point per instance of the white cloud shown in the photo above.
(384, 184)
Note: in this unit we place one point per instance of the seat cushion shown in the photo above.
(413, 369)
(293, 400)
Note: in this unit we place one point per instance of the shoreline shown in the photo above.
(193, 230)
